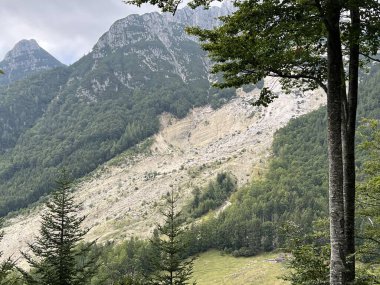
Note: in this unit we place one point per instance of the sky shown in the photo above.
(67, 29)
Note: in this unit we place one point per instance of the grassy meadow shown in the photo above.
(215, 268)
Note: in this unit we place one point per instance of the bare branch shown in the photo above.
(277, 73)
(369, 57)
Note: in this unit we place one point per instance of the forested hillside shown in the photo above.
(24, 102)
(294, 188)
(80, 116)
(128, 165)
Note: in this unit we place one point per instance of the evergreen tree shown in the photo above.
(56, 253)
(171, 269)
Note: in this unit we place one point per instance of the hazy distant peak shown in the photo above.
(22, 46)
(25, 58)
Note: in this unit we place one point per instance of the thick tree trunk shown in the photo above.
(334, 113)
(348, 140)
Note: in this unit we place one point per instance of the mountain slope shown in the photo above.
(123, 197)
(24, 102)
(294, 189)
(26, 58)
(80, 116)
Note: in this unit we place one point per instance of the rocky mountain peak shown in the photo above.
(139, 28)
(135, 28)
(159, 43)
(22, 47)
(204, 18)
(25, 58)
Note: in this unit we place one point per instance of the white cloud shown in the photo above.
(67, 29)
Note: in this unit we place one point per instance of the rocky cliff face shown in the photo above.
(203, 18)
(160, 44)
(26, 58)
(162, 26)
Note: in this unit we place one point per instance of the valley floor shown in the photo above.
(216, 268)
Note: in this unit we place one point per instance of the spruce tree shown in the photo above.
(171, 269)
(55, 254)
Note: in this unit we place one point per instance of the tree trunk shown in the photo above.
(334, 113)
(348, 140)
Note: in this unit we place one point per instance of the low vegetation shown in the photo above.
(214, 267)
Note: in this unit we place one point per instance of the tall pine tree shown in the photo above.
(55, 253)
(171, 269)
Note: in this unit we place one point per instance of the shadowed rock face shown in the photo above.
(26, 58)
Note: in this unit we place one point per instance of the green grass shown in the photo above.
(214, 268)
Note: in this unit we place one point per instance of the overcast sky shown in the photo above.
(65, 28)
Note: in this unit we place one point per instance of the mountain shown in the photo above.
(26, 58)
(123, 197)
(134, 118)
(80, 116)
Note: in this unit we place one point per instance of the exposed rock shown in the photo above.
(123, 198)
